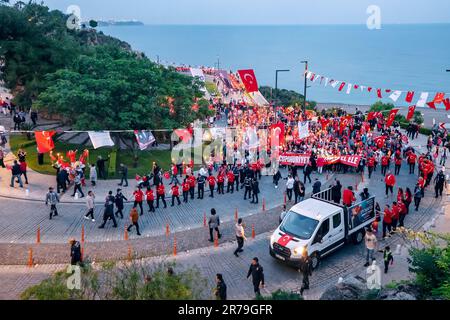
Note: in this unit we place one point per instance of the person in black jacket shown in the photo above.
(221, 288)
(307, 173)
(109, 210)
(62, 179)
(255, 190)
(257, 273)
(336, 191)
(75, 252)
(16, 173)
(101, 167)
(118, 199)
(305, 267)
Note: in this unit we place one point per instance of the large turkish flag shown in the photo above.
(44, 141)
(249, 80)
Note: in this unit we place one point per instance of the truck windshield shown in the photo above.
(299, 226)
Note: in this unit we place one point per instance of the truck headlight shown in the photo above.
(299, 251)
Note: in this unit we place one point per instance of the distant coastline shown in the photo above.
(102, 23)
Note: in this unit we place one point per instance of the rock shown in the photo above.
(400, 296)
(349, 289)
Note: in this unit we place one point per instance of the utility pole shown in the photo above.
(304, 91)
(275, 96)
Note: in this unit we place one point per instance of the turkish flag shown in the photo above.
(342, 86)
(369, 89)
(277, 133)
(284, 240)
(324, 123)
(44, 141)
(439, 98)
(391, 117)
(447, 104)
(432, 105)
(249, 80)
(409, 96)
(379, 141)
(411, 111)
(379, 93)
(371, 116)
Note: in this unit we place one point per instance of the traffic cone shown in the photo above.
(38, 235)
(253, 231)
(167, 230)
(264, 204)
(82, 233)
(236, 215)
(125, 233)
(204, 219)
(30, 258)
(216, 241)
(174, 245)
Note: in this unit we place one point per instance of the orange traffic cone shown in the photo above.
(30, 258)
(38, 235)
(264, 204)
(174, 245)
(125, 233)
(82, 233)
(253, 231)
(167, 230)
(216, 241)
(236, 215)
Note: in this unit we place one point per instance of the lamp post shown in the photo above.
(304, 91)
(274, 99)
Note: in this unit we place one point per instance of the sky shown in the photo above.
(259, 12)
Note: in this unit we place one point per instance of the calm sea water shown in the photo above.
(401, 57)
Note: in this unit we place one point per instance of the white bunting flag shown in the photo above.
(316, 77)
(422, 100)
(395, 95)
(308, 75)
(362, 88)
(349, 88)
(335, 83)
(303, 130)
(326, 81)
(100, 139)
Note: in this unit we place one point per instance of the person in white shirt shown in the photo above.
(93, 175)
(90, 199)
(371, 245)
(240, 237)
(289, 187)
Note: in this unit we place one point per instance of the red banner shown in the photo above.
(249, 80)
(352, 161)
(44, 141)
(300, 160)
(277, 133)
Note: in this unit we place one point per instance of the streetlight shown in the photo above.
(274, 101)
(304, 92)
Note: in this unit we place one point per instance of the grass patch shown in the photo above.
(212, 89)
(146, 158)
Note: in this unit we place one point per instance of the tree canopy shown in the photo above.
(91, 80)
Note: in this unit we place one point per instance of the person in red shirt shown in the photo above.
(395, 215)
(390, 182)
(192, 182)
(370, 165)
(212, 183)
(348, 197)
(138, 198)
(402, 213)
(186, 187)
(412, 158)
(175, 194)
(161, 194)
(384, 164)
(230, 185)
(398, 164)
(150, 199)
(23, 170)
(387, 221)
(220, 182)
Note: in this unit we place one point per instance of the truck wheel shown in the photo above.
(358, 237)
(315, 260)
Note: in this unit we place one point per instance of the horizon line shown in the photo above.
(266, 25)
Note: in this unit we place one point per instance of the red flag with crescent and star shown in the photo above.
(44, 141)
(284, 240)
(411, 111)
(391, 118)
(249, 80)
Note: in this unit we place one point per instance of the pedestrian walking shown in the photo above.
(16, 174)
(212, 183)
(387, 222)
(348, 196)
(101, 167)
(336, 192)
(77, 184)
(248, 187)
(123, 175)
(257, 273)
(395, 216)
(175, 190)
(418, 195)
(23, 170)
(388, 258)
(62, 180)
(192, 181)
(316, 186)
(305, 267)
(371, 245)
(289, 187)
(255, 191)
(439, 183)
(214, 223)
(134, 218)
(390, 183)
(200, 186)
(307, 173)
(138, 199)
(108, 214)
(161, 195)
(240, 237)
(230, 183)
(150, 199)
(185, 188)
(52, 199)
(90, 199)
(119, 202)
(221, 288)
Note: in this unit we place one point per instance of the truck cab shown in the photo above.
(320, 227)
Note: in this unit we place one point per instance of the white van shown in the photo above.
(320, 226)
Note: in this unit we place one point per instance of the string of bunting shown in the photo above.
(422, 98)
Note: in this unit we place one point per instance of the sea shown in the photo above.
(395, 57)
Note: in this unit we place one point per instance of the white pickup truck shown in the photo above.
(320, 226)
